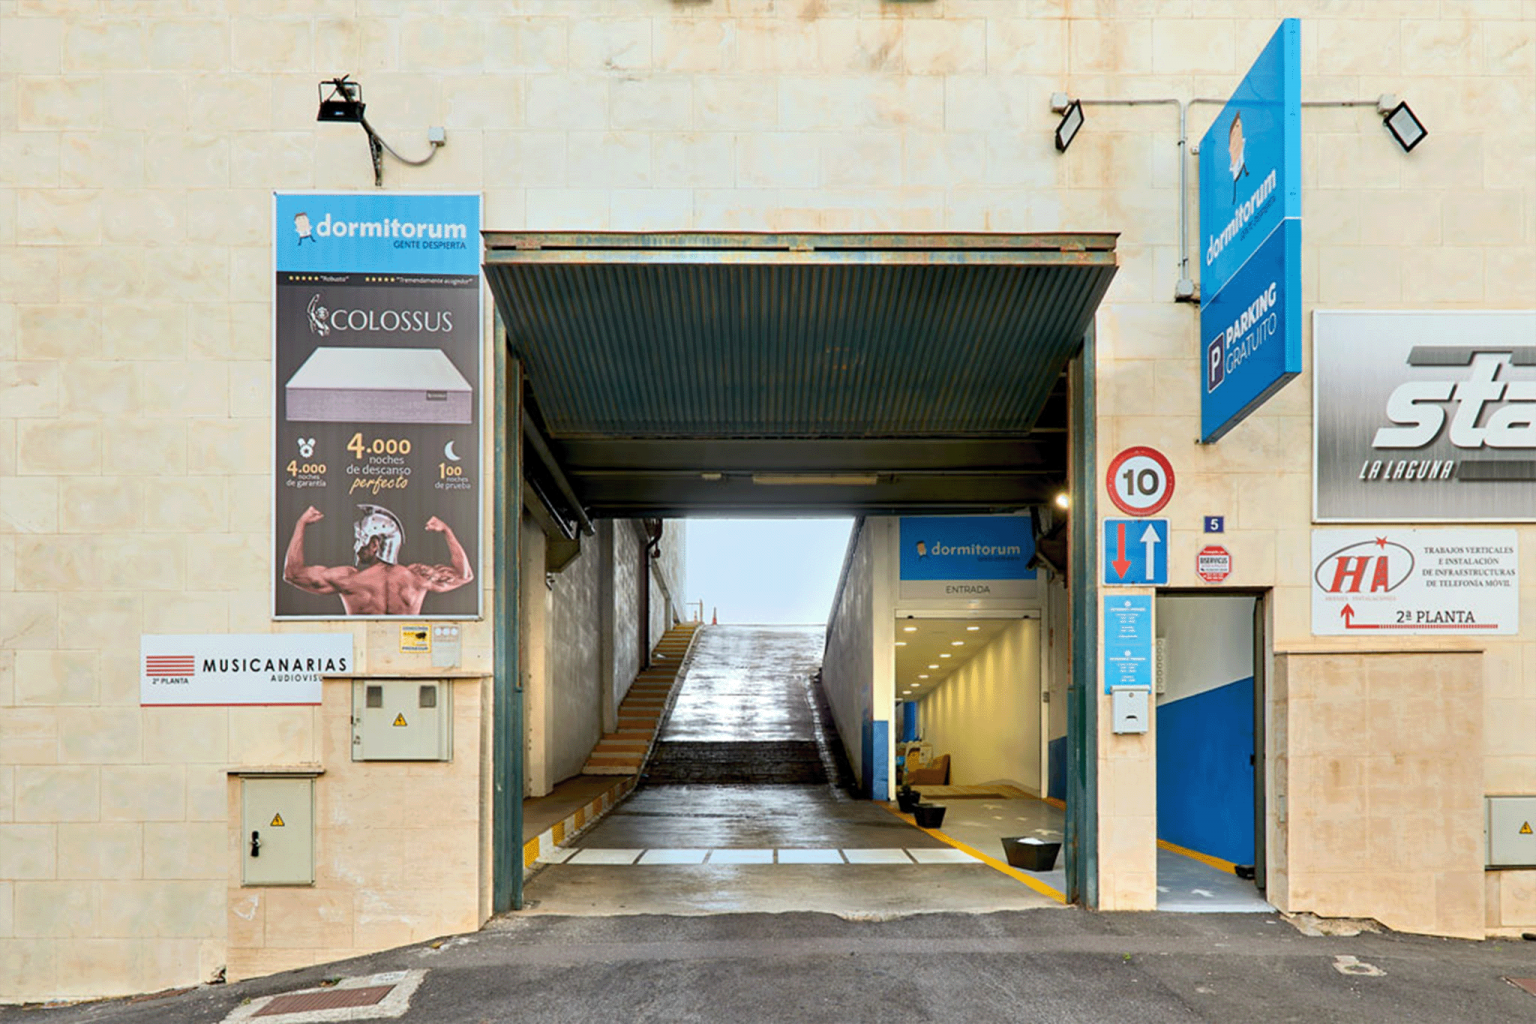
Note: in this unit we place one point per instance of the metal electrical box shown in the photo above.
(277, 831)
(402, 720)
(1130, 708)
(1511, 831)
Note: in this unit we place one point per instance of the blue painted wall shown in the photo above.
(1204, 780)
(908, 721)
(1056, 765)
(876, 749)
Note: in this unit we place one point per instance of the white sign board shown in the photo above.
(224, 669)
(1386, 580)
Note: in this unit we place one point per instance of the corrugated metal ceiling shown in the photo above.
(802, 341)
(769, 341)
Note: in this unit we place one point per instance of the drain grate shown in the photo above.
(330, 999)
(1528, 984)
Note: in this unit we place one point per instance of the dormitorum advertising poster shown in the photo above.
(377, 334)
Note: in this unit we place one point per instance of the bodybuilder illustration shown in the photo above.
(377, 584)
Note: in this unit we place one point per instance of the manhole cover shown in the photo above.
(330, 999)
(1529, 984)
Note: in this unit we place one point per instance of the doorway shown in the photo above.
(677, 375)
(1210, 750)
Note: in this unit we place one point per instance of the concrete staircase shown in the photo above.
(624, 752)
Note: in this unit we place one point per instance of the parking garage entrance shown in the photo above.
(895, 378)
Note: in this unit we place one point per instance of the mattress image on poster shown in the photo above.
(379, 385)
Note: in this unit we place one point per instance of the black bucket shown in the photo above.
(929, 815)
(1030, 854)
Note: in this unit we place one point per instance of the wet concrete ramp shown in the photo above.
(771, 763)
(749, 714)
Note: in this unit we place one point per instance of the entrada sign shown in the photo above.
(1250, 229)
(1423, 416)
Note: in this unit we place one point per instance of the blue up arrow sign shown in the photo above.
(1135, 552)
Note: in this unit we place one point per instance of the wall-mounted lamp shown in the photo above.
(1071, 120)
(1401, 121)
(344, 104)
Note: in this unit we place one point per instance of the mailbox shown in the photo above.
(1129, 705)
(402, 720)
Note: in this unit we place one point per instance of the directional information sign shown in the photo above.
(1135, 552)
(1250, 230)
(1127, 641)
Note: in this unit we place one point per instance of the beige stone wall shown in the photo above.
(142, 139)
(1383, 813)
(397, 851)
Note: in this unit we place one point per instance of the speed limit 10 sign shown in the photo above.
(1140, 481)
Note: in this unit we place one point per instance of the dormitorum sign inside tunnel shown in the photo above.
(1424, 417)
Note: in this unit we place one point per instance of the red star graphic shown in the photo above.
(1381, 542)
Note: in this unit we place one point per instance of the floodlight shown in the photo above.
(343, 103)
(1071, 122)
(1405, 127)
(1063, 500)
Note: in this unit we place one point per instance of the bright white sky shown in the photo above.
(781, 571)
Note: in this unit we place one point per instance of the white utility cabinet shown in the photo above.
(402, 720)
(277, 830)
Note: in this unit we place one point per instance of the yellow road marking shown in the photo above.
(991, 862)
(1215, 862)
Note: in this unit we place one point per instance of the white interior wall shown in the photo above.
(575, 682)
(986, 716)
(533, 661)
(848, 660)
(1058, 611)
(1209, 642)
(627, 547)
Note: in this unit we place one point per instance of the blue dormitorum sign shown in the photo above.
(377, 232)
(974, 559)
(967, 548)
(1250, 239)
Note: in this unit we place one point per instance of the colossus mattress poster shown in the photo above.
(377, 334)
(1424, 416)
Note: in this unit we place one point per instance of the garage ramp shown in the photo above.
(747, 807)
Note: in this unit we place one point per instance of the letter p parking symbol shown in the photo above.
(1215, 368)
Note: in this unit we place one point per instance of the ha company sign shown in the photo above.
(1429, 582)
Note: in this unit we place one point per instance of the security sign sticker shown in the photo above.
(1367, 582)
(1214, 563)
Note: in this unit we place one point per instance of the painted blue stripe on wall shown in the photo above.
(876, 747)
(1204, 778)
(1056, 767)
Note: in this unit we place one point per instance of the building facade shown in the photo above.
(141, 143)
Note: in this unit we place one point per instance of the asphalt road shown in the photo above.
(1056, 966)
